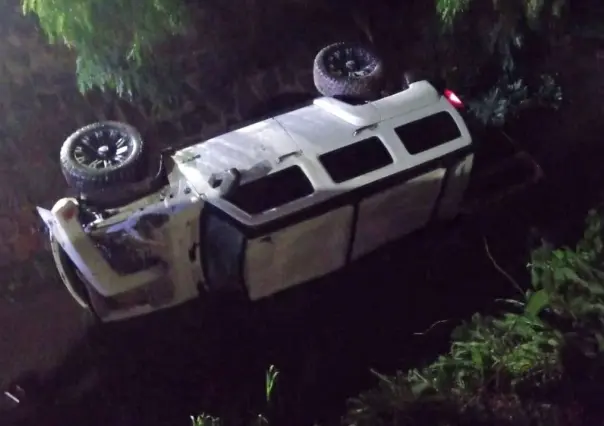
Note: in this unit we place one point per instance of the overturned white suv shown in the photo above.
(262, 208)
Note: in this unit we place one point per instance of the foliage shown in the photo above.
(511, 95)
(115, 40)
(396, 401)
(502, 72)
(205, 420)
(573, 280)
(509, 81)
(554, 340)
(535, 12)
(449, 10)
(270, 382)
(492, 352)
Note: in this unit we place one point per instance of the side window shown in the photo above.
(273, 190)
(428, 132)
(222, 245)
(356, 160)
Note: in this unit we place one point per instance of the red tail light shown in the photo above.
(453, 99)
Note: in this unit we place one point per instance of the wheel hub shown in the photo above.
(348, 62)
(102, 149)
(351, 65)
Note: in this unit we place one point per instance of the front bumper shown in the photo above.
(112, 295)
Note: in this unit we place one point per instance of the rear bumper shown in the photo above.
(112, 296)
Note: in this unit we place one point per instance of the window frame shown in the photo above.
(410, 148)
(373, 139)
(252, 227)
(252, 213)
(212, 212)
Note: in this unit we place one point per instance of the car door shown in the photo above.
(222, 244)
(408, 202)
(396, 211)
(298, 252)
(295, 246)
(390, 203)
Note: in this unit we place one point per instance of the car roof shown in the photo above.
(293, 137)
(329, 124)
(325, 125)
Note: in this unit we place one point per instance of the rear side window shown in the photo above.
(428, 132)
(356, 160)
(271, 191)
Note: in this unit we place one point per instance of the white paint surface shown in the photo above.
(395, 212)
(298, 253)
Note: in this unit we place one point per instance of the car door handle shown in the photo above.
(266, 239)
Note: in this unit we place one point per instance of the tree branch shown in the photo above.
(500, 269)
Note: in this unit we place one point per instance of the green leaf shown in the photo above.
(536, 303)
(571, 275)
(477, 358)
(547, 281)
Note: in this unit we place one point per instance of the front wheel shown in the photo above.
(103, 155)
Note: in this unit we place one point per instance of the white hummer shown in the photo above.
(263, 208)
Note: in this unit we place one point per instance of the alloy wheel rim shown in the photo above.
(348, 62)
(102, 149)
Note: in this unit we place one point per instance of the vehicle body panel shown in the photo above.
(281, 259)
(198, 240)
(396, 212)
(254, 150)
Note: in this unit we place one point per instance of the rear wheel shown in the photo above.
(348, 70)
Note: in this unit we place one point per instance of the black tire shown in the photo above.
(89, 179)
(366, 86)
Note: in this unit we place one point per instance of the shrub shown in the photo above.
(502, 74)
(511, 95)
(535, 12)
(261, 419)
(536, 366)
